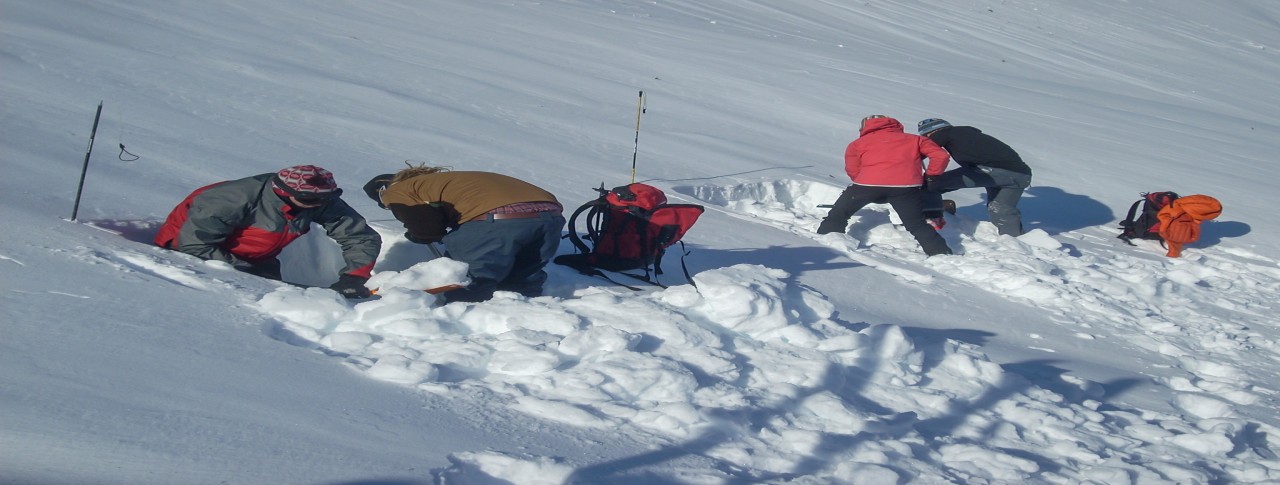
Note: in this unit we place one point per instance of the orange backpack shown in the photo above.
(1180, 220)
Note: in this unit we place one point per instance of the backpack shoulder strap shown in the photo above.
(683, 266)
(1133, 211)
(1126, 225)
(573, 225)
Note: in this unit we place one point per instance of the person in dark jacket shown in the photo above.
(505, 229)
(247, 222)
(984, 162)
(884, 164)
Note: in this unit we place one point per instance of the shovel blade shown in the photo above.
(441, 289)
(432, 291)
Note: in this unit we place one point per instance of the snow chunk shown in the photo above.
(985, 463)
(435, 273)
(494, 468)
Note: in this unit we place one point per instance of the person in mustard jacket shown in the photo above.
(884, 164)
(247, 222)
(504, 228)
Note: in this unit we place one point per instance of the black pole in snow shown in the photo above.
(639, 110)
(76, 209)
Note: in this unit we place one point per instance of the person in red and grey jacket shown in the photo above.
(247, 222)
(884, 165)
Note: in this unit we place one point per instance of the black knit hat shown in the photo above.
(376, 185)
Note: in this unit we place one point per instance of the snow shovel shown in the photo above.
(431, 291)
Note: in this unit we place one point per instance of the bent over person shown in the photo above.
(504, 228)
(984, 162)
(247, 222)
(884, 164)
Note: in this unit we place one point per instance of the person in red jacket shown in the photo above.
(884, 165)
(247, 222)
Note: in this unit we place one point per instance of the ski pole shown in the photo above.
(636, 150)
(75, 210)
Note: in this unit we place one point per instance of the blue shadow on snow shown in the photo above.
(1052, 210)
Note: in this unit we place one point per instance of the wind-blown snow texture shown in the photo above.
(1061, 356)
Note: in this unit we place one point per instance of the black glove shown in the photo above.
(929, 182)
(351, 286)
(269, 269)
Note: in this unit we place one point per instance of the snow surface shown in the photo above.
(1061, 356)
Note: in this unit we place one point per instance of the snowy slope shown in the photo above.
(1062, 356)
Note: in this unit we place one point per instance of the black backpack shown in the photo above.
(1141, 222)
(629, 228)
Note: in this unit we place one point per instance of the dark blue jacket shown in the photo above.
(969, 146)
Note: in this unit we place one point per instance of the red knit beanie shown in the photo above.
(306, 181)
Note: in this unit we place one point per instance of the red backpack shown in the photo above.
(629, 228)
(1145, 224)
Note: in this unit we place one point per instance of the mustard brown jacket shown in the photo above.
(431, 204)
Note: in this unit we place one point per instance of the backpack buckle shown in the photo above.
(624, 193)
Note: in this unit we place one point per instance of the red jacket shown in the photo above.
(885, 156)
(1180, 220)
(244, 219)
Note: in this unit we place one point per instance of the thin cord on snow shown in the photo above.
(124, 152)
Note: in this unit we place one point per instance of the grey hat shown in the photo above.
(929, 125)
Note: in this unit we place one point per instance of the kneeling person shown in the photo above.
(247, 222)
(506, 229)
